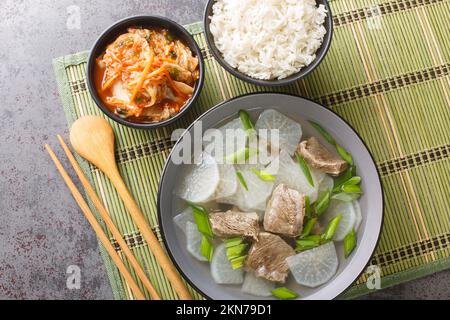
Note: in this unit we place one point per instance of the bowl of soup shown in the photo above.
(145, 71)
(279, 198)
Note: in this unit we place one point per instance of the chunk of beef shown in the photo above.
(320, 158)
(285, 211)
(235, 223)
(267, 256)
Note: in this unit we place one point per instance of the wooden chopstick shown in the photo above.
(109, 223)
(96, 226)
(156, 248)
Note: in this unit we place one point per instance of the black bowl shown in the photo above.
(120, 27)
(320, 54)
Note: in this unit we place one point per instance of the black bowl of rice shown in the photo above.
(268, 42)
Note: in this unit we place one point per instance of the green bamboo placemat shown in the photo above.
(386, 73)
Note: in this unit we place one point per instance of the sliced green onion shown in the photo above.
(323, 132)
(331, 228)
(238, 156)
(231, 242)
(241, 155)
(346, 197)
(196, 206)
(206, 248)
(344, 154)
(349, 242)
(238, 262)
(201, 219)
(309, 225)
(322, 202)
(305, 168)
(242, 180)
(304, 245)
(264, 175)
(308, 213)
(313, 237)
(245, 119)
(353, 168)
(353, 180)
(351, 188)
(307, 243)
(236, 251)
(284, 293)
(251, 134)
(339, 181)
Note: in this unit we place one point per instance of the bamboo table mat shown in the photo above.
(386, 73)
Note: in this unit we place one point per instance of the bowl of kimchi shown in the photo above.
(145, 71)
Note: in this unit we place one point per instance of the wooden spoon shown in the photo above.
(93, 138)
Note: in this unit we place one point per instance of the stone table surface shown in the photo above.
(42, 232)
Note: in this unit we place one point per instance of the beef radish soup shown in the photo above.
(274, 211)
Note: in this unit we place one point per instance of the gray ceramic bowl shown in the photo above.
(120, 27)
(320, 54)
(299, 109)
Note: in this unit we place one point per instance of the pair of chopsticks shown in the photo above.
(137, 292)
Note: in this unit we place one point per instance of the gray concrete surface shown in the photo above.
(42, 231)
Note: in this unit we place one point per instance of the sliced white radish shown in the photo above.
(326, 183)
(257, 286)
(193, 241)
(183, 218)
(289, 131)
(253, 198)
(288, 172)
(265, 153)
(235, 200)
(358, 214)
(200, 180)
(221, 269)
(348, 218)
(314, 267)
(225, 140)
(318, 178)
(228, 182)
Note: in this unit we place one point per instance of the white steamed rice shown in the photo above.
(268, 39)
